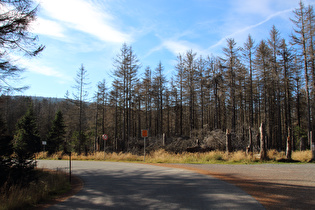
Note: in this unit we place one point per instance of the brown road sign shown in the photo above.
(144, 133)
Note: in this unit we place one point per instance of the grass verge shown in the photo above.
(162, 156)
(49, 185)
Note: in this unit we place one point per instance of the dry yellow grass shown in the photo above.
(162, 156)
(303, 156)
(48, 184)
(275, 155)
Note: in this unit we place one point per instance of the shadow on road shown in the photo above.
(145, 187)
(270, 194)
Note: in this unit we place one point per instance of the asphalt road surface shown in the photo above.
(114, 185)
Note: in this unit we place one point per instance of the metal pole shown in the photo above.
(104, 148)
(70, 167)
(144, 150)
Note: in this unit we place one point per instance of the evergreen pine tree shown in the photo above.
(55, 138)
(26, 140)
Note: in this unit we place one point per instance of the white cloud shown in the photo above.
(176, 47)
(47, 27)
(246, 30)
(86, 17)
(36, 66)
(256, 7)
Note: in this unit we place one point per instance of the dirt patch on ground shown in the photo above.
(288, 193)
(76, 186)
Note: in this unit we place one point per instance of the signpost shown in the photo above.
(105, 138)
(70, 167)
(144, 134)
(44, 143)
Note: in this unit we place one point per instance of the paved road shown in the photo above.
(276, 186)
(111, 185)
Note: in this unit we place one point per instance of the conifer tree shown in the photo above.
(26, 140)
(55, 138)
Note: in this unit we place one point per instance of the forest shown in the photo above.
(270, 81)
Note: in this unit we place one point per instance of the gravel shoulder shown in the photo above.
(275, 186)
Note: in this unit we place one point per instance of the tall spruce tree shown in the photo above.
(56, 136)
(26, 140)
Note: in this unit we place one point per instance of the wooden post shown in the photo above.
(163, 140)
(263, 151)
(228, 141)
(289, 145)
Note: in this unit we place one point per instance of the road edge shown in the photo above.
(77, 185)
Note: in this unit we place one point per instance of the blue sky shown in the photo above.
(91, 32)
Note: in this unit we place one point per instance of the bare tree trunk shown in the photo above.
(250, 140)
(228, 141)
(289, 145)
(263, 150)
